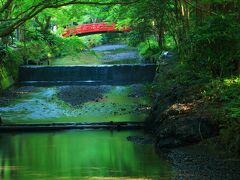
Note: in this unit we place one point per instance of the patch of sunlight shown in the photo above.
(232, 81)
(180, 108)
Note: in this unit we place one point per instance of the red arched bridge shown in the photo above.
(94, 28)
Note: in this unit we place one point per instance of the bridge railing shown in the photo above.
(94, 28)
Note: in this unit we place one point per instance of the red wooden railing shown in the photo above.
(85, 29)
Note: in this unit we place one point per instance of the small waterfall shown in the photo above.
(87, 74)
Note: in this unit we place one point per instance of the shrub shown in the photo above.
(91, 41)
(149, 49)
(225, 93)
(215, 48)
(35, 51)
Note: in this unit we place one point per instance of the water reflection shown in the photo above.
(78, 155)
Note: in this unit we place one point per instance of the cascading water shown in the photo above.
(87, 74)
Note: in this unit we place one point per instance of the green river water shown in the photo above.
(71, 155)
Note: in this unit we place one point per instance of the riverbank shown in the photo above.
(191, 107)
(187, 121)
(201, 162)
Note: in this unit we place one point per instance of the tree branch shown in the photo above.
(6, 5)
(47, 25)
(35, 9)
(91, 3)
(39, 23)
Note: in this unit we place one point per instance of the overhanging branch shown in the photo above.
(91, 3)
(36, 9)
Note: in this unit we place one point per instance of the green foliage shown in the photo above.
(215, 48)
(169, 42)
(223, 90)
(231, 137)
(111, 38)
(36, 51)
(10, 60)
(5, 79)
(146, 19)
(44, 47)
(70, 45)
(225, 93)
(204, 33)
(171, 74)
(3, 51)
(149, 49)
(12, 17)
(10, 55)
(92, 40)
(220, 96)
(14, 55)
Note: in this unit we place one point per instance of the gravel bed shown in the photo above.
(77, 95)
(202, 166)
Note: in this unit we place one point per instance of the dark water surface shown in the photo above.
(78, 155)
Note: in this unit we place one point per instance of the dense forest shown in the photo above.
(203, 35)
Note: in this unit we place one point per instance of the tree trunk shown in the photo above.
(45, 25)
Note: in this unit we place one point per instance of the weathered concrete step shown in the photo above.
(68, 126)
(87, 74)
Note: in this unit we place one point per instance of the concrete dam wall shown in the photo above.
(86, 74)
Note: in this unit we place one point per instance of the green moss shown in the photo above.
(6, 79)
(7, 82)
